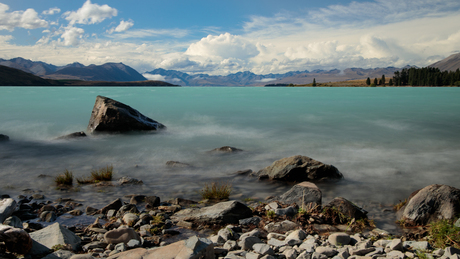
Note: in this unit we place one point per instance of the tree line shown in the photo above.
(426, 76)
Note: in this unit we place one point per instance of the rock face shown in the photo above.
(302, 194)
(50, 236)
(298, 169)
(431, 203)
(229, 212)
(16, 240)
(111, 116)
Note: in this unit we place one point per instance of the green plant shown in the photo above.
(216, 190)
(270, 214)
(399, 205)
(64, 179)
(157, 220)
(248, 199)
(421, 254)
(444, 233)
(59, 247)
(302, 211)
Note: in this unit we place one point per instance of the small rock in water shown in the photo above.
(4, 138)
(74, 135)
(226, 149)
(128, 180)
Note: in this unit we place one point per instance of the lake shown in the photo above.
(387, 142)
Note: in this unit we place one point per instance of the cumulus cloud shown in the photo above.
(123, 26)
(27, 19)
(155, 77)
(224, 46)
(52, 11)
(72, 36)
(90, 14)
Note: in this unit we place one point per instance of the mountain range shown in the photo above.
(111, 72)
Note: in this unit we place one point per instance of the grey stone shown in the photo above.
(438, 252)
(246, 243)
(225, 149)
(395, 244)
(417, 245)
(343, 253)
(449, 251)
(60, 254)
(377, 251)
(362, 251)
(382, 242)
(337, 239)
(130, 219)
(250, 221)
(276, 235)
(121, 247)
(252, 255)
(263, 249)
(124, 180)
(457, 223)
(296, 237)
(433, 202)
(272, 206)
(55, 234)
(7, 207)
(395, 254)
(218, 240)
(74, 135)
(316, 255)
(231, 245)
(253, 233)
(133, 243)
(308, 246)
(276, 243)
(129, 208)
(347, 208)
(281, 227)
(302, 194)
(200, 247)
(109, 115)
(328, 251)
(290, 253)
(82, 256)
(114, 205)
(298, 169)
(268, 257)
(121, 235)
(305, 255)
(48, 216)
(4, 138)
(94, 245)
(289, 211)
(228, 234)
(229, 212)
(13, 221)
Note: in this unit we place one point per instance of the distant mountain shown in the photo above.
(294, 77)
(106, 72)
(15, 77)
(76, 71)
(451, 63)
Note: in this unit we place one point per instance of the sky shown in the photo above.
(222, 37)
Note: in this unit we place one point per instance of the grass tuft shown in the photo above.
(102, 174)
(64, 179)
(216, 190)
(444, 233)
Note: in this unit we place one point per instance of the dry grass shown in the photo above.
(102, 174)
(64, 179)
(216, 190)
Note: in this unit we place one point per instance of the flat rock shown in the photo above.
(337, 239)
(109, 115)
(281, 227)
(433, 202)
(298, 169)
(229, 212)
(302, 194)
(7, 207)
(55, 234)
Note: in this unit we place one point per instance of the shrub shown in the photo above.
(444, 233)
(64, 179)
(216, 190)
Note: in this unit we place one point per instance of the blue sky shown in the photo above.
(221, 37)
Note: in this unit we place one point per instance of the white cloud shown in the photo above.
(72, 36)
(155, 77)
(90, 14)
(5, 38)
(224, 46)
(123, 26)
(27, 19)
(52, 11)
(145, 33)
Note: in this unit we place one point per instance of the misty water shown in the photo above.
(387, 142)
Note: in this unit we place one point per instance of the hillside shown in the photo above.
(15, 77)
(451, 63)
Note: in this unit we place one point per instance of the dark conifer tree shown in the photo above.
(368, 81)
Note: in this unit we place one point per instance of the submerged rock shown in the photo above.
(298, 169)
(226, 149)
(433, 202)
(74, 135)
(4, 138)
(177, 164)
(109, 115)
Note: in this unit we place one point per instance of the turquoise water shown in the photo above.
(387, 142)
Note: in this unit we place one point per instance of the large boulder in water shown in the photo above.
(298, 169)
(109, 115)
(4, 138)
(302, 194)
(431, 203)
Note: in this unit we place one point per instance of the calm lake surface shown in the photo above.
(387, 142)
